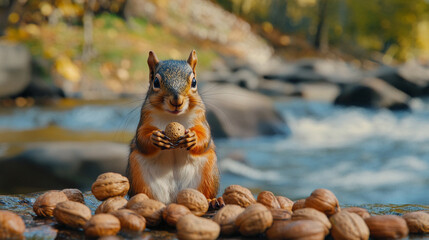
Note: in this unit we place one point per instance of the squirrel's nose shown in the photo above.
(176, 103)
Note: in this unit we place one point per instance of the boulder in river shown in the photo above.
(411, 78)
(315, 71)
(239, 113)
(373, 93)
(15, 68)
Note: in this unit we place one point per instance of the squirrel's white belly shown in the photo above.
(171, 171)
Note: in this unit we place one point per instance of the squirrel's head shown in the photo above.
(173, 84)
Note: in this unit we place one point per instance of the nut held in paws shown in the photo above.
(174, 130)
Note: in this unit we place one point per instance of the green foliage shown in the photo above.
(392, 27)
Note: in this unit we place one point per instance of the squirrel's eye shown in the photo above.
(156, 83)
(194, 83)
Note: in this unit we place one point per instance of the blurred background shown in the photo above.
(301, 94)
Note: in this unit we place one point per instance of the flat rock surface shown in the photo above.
(40, 228)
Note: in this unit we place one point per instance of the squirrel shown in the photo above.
(157, 166)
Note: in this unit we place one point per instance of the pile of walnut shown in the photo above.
(275, 216)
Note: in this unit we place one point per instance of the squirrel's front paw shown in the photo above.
(187, 141)
(160, 140)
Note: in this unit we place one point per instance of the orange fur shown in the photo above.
(210, 178)
(138, 184)
(144, 133)
(202, 133)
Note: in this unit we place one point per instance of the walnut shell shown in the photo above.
(348, 226)
(312, 214)
(151, 210)
(324, 201)
(173, 212)
(285, 203)
(362, 212)
(297, 230)
(110, 185)
(280, 214)
(268, 199)
(417, 222)
(298, 204)
(11, 225)
(130, 220)
(194, 200)
(236, 194)
(111, 204)
(45, 204)
(72, 214)
(387, 227)
(226, 217)
(74, 195)
(174, 131)
(102, 224)
(192, 227)
(137, 198)
(254, 220)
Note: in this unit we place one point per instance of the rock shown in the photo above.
(238, 113)
(61, 165)
(318, 91)
(15, 68)
(278, 88)
(373, 93)
(244, 78)
(38, 88)
(411, 78)
(316, 71)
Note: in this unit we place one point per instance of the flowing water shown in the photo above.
(363, 156)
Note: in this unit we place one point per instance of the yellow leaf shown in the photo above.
(66, 68)
(13, 18)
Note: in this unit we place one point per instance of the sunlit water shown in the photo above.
(363, 156)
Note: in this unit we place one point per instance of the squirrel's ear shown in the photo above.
(192, 60)
(152, 61)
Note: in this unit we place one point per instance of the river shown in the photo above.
(363, 156)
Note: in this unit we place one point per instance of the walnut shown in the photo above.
(236, 194)
(11, 225)
(137, 198)
(102, 224)
(174, 131)
(192, 227)
(312, 214)
(151, 210)
(226, 217)
(348, 226)
(72, 214)
(194, 200)
(280, 214)
(387, 227)
(254, 220)
(301, 229)
(130, 220)
(111, 204)
(362, 212)
(74, 195)
(285, 203)
(174, 212)
(298, 204)
(268, 199)
(110, 185)
(417, 222)
(45, 204)
(324, 201)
